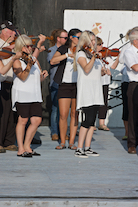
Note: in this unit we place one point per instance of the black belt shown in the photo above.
(7, 82)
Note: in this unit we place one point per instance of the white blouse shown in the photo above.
(29, 90)
(69, 76)
(89, 86)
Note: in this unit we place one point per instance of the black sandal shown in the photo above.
(25, 154)
(35, 153)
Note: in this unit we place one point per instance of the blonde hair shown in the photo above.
(99, 40)
(85, 39)
(21, 41)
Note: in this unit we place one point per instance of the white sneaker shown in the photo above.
(90, 152)
(80, 153)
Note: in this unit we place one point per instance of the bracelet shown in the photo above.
(38, 48)
(66, 54)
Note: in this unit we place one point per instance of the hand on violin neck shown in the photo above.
(42, 39)
(18, 55)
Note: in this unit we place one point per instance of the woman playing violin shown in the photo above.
(26, 95)
(105, 82)
(89, 91)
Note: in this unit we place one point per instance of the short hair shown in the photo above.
(130, 31)
(133, 35)
(21, 41)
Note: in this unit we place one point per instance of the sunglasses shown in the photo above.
(76, 36)
(28, 46)
(64, 38)
(100, 44)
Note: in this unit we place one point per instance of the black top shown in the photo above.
(60, 71)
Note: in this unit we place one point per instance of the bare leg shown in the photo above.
(35, 122)
(20, 130)
(73, 122)
(102, 123)
(89, 136)
(64, 106)
(82, 135)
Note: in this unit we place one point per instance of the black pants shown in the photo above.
(103, 109)
(7, 125)
(124, 88)
(132, 94)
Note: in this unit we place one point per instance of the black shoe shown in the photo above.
(36, 141)
(80, 153)
(90, 152)
(25, 154)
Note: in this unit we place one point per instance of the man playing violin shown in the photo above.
(131, 61)
(60, 38)
(7, 126)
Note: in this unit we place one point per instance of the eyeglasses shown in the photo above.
(76, 36)
(28, 46)
(100, 44)
(64, 38)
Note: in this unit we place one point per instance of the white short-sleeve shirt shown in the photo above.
(130, 59)
(89, 86)
(27, 91)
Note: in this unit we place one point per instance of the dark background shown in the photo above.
(43, 16)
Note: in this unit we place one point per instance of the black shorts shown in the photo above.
(67, 90)
(90, 115)
(27, 110)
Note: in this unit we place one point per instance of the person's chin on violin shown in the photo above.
(26, 95)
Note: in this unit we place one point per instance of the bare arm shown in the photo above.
(43, 73)
(135, 67)
(86, 66)
(58, 57)
(17, 69)
(115, 64)
(38, 48)
(5, 68)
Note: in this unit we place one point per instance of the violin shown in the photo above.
(33, 38)
(91, 52)
(109, 52)
(6, 53)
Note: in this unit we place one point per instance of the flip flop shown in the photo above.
(35, 153)
(72, 147)
(103, 127)
(60, 146)
(25, 154)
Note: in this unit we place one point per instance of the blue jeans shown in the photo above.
(55, 111)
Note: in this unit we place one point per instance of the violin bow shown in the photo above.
(107, 44)
(121, 37)
(5, 42)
